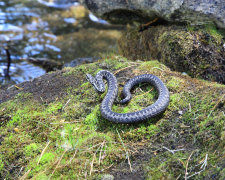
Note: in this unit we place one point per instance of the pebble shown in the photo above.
(180, 112)
(184, 74)
(107, 177)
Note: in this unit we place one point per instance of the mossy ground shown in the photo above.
(66, 137)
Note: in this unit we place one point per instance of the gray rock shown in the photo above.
(47, 64)
(182, 11)
(83, 60)
(107, 177)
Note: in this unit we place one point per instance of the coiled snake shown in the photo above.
(106, 107)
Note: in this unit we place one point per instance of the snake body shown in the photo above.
(106, 106)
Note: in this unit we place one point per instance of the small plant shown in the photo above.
(31, 150)
(1, 163)
(47, 158)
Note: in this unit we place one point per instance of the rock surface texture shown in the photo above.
(178, 11)
(198, 51)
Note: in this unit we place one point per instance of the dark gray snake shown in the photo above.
(106, 107)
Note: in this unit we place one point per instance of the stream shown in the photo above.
(60, 30)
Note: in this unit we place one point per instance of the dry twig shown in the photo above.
(94, 157)
(172, 151)
(92, 163)
(25, 175)
(216, 105)
(123, 69)
(203, 166)
(178, 177)
(66, 104)
(66, 122)
(100, 155)
(143, 93)
(20, 171)
(18, 87)
(69, 160)
(157, 68)
(186, 173)
(127, 154)
(107, 167)
(42, 153)
(58, 164)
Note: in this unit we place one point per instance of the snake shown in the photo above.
(150, 111)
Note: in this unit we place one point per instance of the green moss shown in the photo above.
(223, 135)
(213, 31)
(1, 163)
(177, 101)
(190, 28)
(175, 83)
(151, 65)
(31, 150)
(19, 116)
(42, 177)
(81, 139)
(152, 130)
(54, 107)
(23, 96)
(85, 85)
(47, 158)
(161, 165)
(92, 118)
(222, 174)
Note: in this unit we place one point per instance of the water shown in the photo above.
(49, 29)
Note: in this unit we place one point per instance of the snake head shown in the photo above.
(90, 78)
(94, 83)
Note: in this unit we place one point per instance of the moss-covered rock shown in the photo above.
(60, 133)
(199, 51)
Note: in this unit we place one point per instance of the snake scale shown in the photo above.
(106, 106)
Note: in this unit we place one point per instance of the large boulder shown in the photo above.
(182, 11)
(198, 51)
(52, 128)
